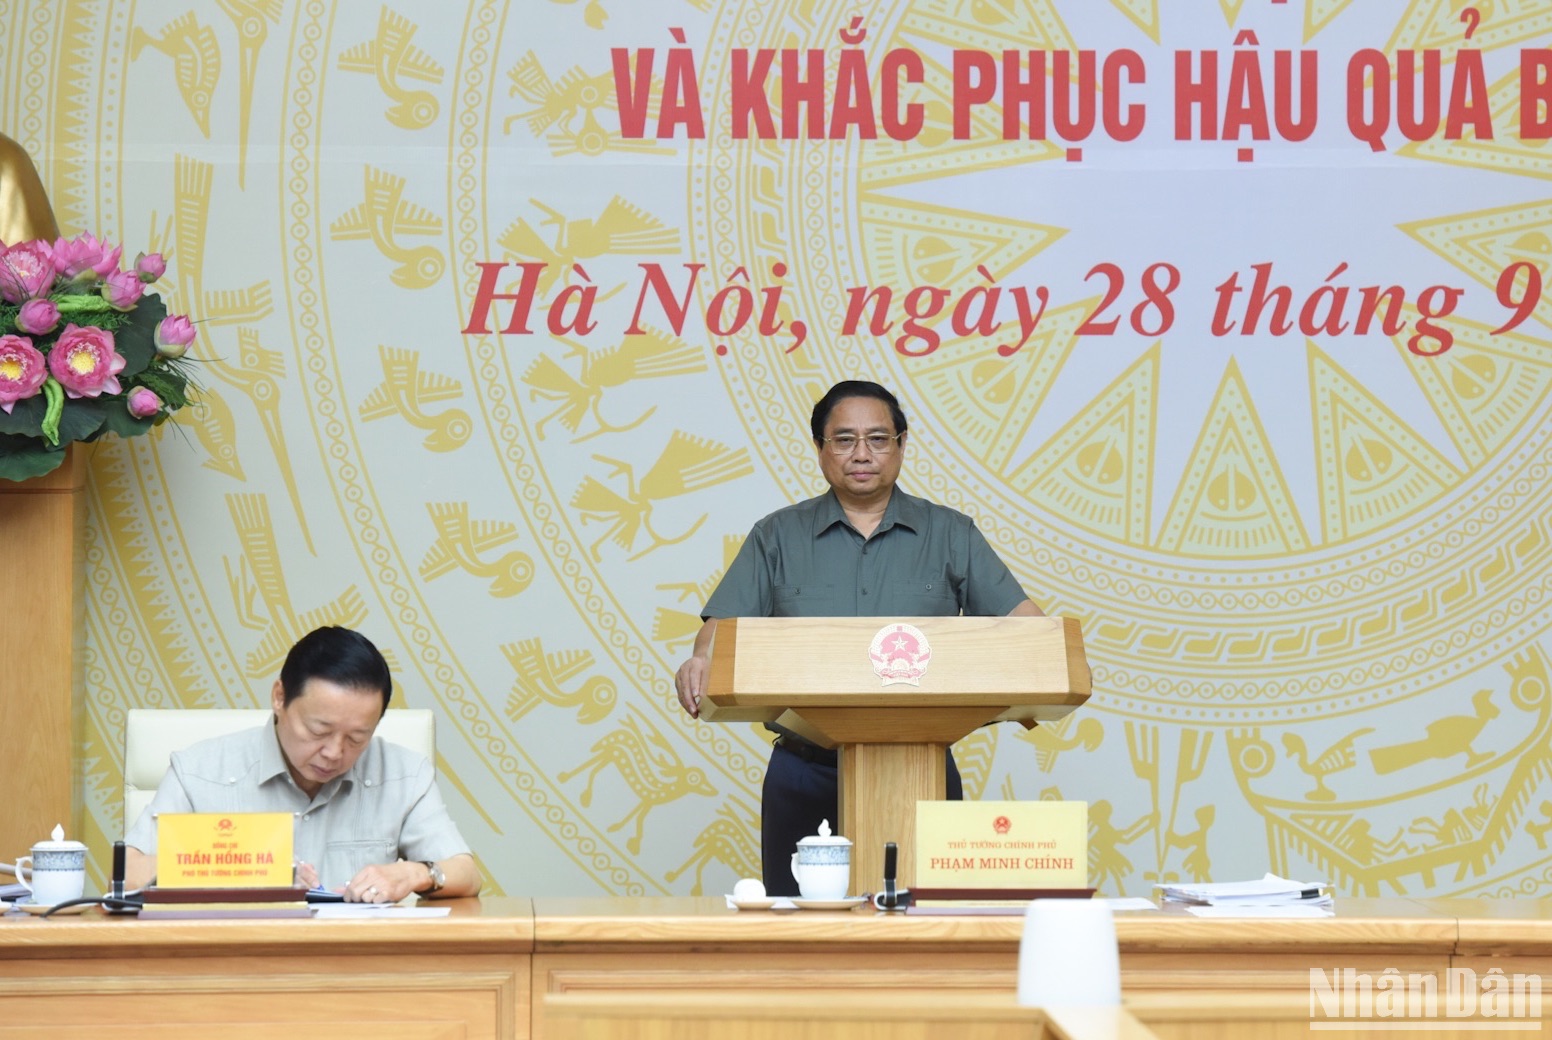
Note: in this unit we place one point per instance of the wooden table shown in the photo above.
(761, 1015)
(93, 977)
(491, 966)
(679, 945)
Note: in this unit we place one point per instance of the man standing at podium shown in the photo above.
(862, 549)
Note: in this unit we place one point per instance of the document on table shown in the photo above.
(1270, 890)
(1283, 910)
(1128, 903)
(379, 910)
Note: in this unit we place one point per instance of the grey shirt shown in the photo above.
(385, 808)
(807, 560)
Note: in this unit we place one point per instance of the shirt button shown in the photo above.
(929, 588)
(369, 783)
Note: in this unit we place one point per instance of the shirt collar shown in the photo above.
(904, 510)
(829, 513)
(271, 762)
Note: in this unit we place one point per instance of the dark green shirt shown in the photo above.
(807, 560)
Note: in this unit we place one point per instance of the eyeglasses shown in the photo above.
(878, 443)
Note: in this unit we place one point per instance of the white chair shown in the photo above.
(151, 735)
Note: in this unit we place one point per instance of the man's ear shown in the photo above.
(277, 697)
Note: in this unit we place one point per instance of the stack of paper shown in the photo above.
(1272, 896)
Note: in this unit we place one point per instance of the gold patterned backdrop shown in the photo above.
(1311, 567)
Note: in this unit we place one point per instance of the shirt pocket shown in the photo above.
(921, 598)
(343, 860)
(806, 601)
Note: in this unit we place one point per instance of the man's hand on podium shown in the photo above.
(690, 680)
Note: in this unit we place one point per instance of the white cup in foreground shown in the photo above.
(1068, 954)
(57, 871)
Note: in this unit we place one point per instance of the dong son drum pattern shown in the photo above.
(1227, 322)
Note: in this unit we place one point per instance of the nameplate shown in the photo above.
(224, 850)
(1002, 845)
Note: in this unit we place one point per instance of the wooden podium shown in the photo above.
(820, 677)
(44, 520)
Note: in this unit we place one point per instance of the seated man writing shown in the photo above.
(370, 821)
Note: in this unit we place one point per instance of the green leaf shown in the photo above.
(166, 384)
(83, 417)
(135, 339)
(26, 417)
(22, 458)
(150, 311)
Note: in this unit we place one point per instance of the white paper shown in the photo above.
(1129, 903)
(1242, 910)
(1270, 890)
(379, 910)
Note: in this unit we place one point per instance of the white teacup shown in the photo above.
(822, 865)
(58, 870)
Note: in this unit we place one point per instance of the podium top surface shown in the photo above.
(973, 660)
(835, 679)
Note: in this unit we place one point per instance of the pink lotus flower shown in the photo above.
(173, 335)
(84, 258)
(26, 272)
(122, 290)
(143, 403)
(150, 266)
(37, 317)
(22, 371)
(85, 362)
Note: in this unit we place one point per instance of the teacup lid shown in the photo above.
(57, 842)
(824, 837)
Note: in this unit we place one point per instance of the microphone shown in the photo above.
(891, 898)
(116, 884)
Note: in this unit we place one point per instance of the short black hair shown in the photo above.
(853, 388)
(338, 655)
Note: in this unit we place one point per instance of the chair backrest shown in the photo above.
(151, 735)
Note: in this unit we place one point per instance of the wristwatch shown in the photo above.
(438, 879)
